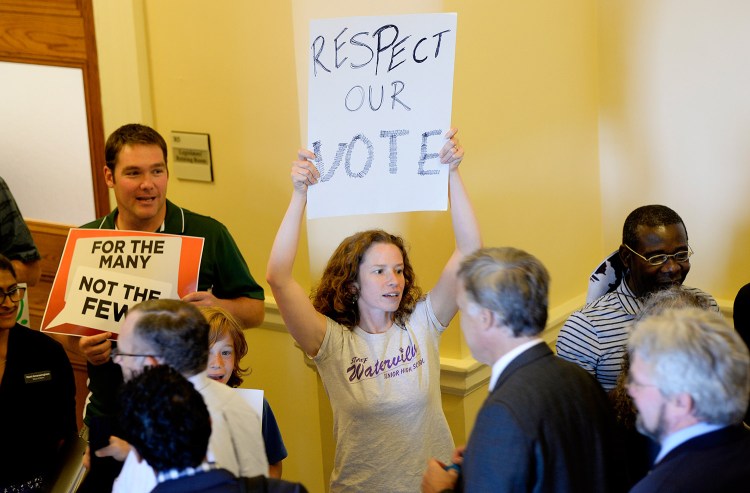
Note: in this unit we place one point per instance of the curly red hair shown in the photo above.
(222, 323)
(336, 295)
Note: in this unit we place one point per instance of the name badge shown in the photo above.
(39, 376)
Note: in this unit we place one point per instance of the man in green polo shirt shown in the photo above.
(136, 170)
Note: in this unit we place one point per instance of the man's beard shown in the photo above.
(658, 432)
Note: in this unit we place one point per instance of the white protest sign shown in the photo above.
(101, 300)
(254, 397)
(380, 93)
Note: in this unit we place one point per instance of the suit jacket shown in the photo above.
(545, 427)
(716, 461)
(214, 481)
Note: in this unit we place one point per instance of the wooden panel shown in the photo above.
(50, 241)
(54, 7)
(31, 36)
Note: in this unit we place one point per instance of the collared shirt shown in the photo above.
(181, 473)
(595, 337)
(500, 365)
(679, 437)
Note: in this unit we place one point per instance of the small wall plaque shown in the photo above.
(191, 155)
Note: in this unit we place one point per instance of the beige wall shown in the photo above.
(674, 126)
(572, 113)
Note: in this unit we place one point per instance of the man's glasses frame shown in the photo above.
(116, 352)
(661, 259)
(630, 383)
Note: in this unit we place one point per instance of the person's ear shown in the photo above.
(684, 402)
(488, 318)
(109, 177)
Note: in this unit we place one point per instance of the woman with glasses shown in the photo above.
(37, 396)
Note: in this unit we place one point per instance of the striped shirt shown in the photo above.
(596, 336)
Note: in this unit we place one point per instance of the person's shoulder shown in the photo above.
(606, 302)
(196, 220)
(98, 223)
(271, 485)
(36, 336)
(39, 341)
(608, 309)
(543, 366)
(700, 293)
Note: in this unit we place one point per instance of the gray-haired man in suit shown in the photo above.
(546, 425)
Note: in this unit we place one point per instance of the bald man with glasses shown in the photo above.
(656, 255)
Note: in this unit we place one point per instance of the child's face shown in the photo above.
(221, 359)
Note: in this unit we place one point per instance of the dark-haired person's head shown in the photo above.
(7, 265)
(10, 292)
(132, 134)
(165, 419)
(136, 171)
(170, 332)
(655, 249)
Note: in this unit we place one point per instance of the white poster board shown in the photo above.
(380, 94)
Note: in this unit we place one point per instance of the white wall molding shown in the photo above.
(462, 376)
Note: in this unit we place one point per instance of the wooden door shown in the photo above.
(58, 33)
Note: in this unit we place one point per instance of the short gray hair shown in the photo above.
(176, 331)
(511, 283)
(695, 351)
(674, 297)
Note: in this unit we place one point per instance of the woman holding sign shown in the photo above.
(374, 338)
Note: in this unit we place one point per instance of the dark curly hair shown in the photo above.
(336, 295)
(7, 265)
(165, 419)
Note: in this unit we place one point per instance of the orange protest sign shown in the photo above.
(103, 272)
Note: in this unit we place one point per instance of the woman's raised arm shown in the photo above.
(465, 231)
(305, 324)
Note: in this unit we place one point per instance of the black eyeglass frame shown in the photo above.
(18, 292)
(116, 352)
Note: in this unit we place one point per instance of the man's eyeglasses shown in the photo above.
(116, 352)
(661, 259)
(631, 383)
(15, 295)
